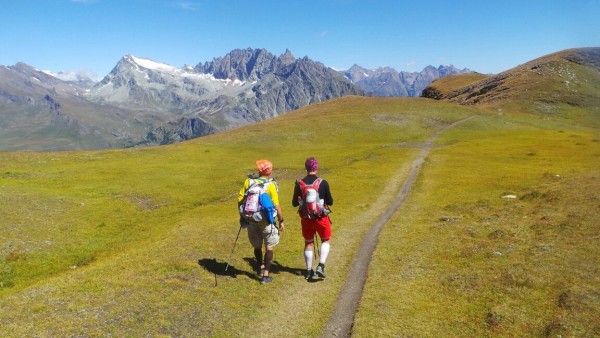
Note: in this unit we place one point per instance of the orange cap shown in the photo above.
(264, 167)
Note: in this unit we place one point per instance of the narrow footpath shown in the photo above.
(342, 318)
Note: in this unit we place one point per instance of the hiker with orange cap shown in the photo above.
(258, 203)
(312, 196)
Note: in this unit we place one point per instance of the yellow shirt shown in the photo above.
(271, 190)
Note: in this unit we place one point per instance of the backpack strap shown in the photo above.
(257, 181)
(317, 183)
(264, 183)
(251, 183)
(302, 185)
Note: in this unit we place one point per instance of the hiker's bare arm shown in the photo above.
(280, 218)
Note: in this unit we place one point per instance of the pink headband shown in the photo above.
(311, 164)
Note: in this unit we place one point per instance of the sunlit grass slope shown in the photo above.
(134, 242)
(444, 86)
(499, 237)
(562, 85)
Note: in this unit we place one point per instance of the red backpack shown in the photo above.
(311, 205)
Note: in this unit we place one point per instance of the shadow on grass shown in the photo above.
(276, 267)
(218, 268)
(315, 279)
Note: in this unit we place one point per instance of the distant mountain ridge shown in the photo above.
(143, 102)
(387, 81)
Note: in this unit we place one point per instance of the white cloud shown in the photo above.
(187, 5)
(74, 75)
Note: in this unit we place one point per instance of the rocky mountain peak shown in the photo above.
(287, 57)
(22, 68)
(240, 64)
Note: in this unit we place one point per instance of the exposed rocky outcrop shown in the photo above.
(182, 130)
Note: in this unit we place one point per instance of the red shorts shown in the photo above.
(322, 226)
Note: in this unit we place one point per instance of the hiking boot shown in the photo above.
(266, 279)
(321, 270)
(308, 274)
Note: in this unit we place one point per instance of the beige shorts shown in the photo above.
(263, 233)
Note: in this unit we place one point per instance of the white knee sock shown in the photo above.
(308, 257)
(324, 252)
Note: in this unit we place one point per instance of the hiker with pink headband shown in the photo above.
(312, 196)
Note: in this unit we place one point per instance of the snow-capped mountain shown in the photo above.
(143, 83)
(244, 86)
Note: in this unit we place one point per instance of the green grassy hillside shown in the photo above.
(562, 85)
(133, 242)
(499, 236)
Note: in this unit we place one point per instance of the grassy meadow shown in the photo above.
(499, 236)
(134, 242)
(464, 258)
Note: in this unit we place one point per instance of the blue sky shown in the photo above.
(485, 36)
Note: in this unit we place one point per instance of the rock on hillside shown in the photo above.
(181, 130)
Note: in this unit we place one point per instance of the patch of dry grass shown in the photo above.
(446, 85)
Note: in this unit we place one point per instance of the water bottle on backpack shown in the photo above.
(311, 206)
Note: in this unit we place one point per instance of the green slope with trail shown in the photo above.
(498, 236)
(133, 242)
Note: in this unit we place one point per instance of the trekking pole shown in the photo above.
(234, 243)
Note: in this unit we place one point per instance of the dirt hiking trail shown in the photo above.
(342, 318)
